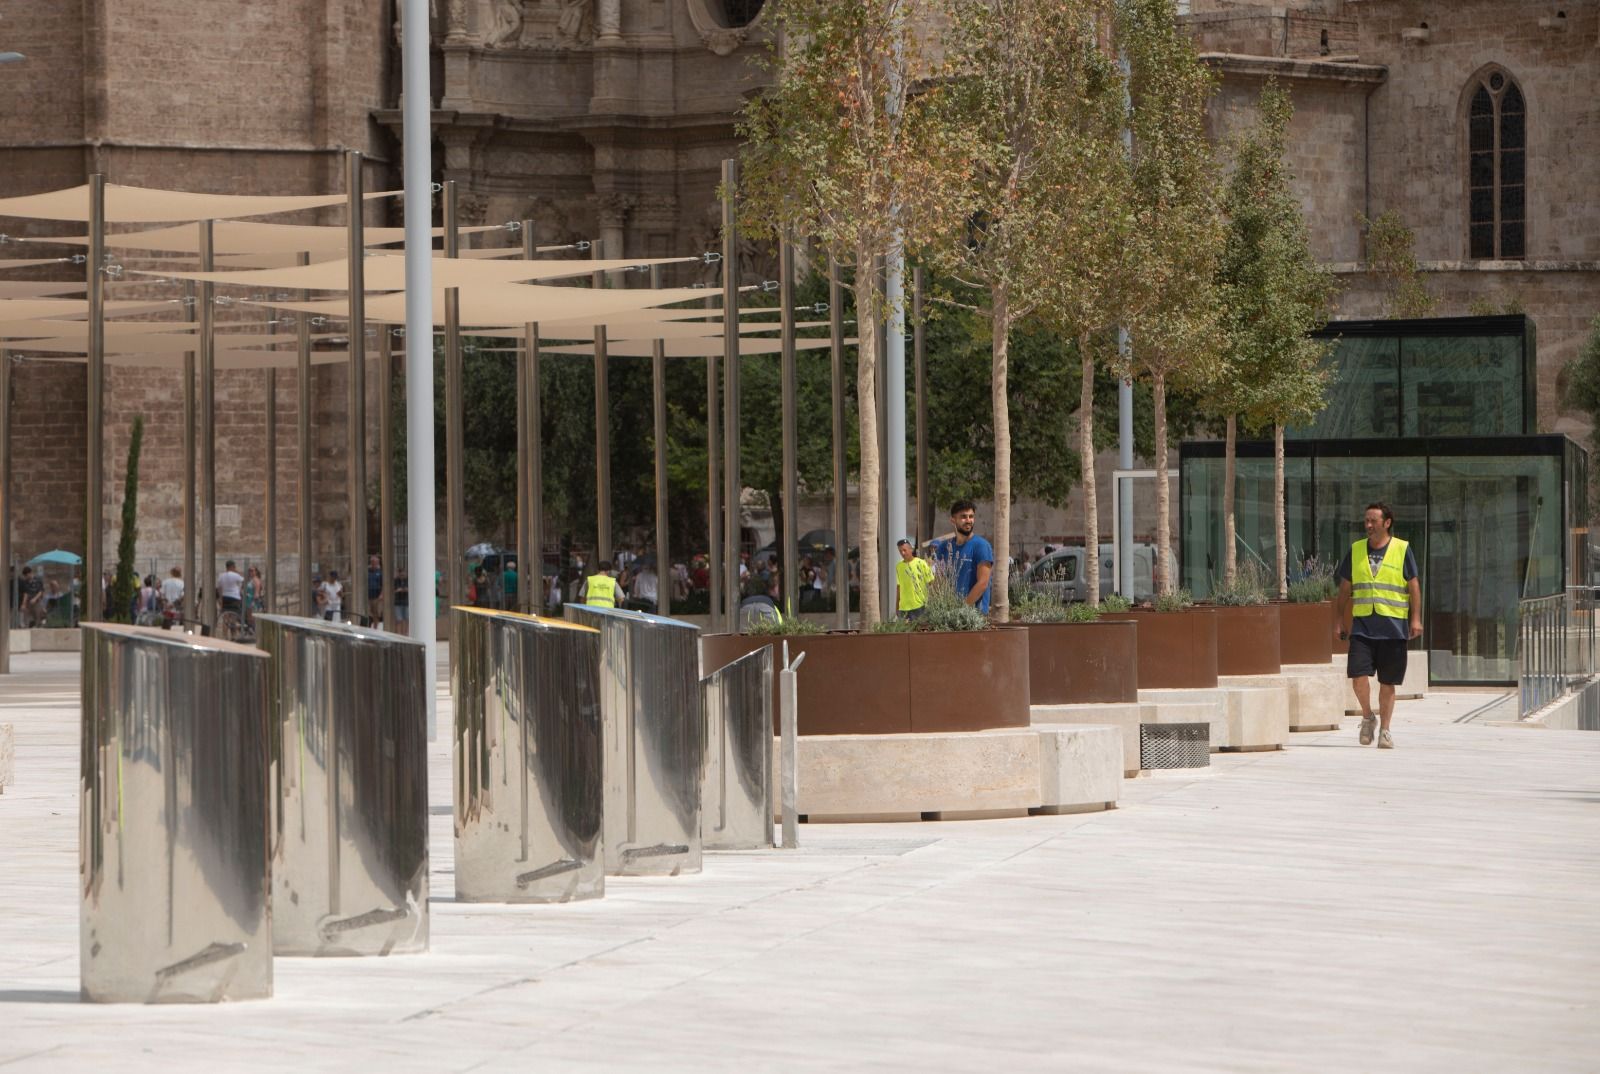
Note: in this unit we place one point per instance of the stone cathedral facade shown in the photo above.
(1477, 121)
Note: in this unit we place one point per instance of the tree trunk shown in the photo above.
(1230, 558)
(1091, 504)
(1000, 600)
(1280, 522)
(871, 465)
(1163, 582)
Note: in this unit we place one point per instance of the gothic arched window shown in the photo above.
(1497, 166)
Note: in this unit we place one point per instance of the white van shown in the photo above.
(1062, 571)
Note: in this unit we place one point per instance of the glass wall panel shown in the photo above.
(1363, 392)
(1461, 386)
(1255, 534)
(1344, 488)
(1496, 537)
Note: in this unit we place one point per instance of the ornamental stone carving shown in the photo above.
(718, 36)
(575, 27)
(505, 24)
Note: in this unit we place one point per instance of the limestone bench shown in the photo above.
(1245, 716)
(1316, 693)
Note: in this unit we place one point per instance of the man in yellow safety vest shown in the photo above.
(600, 589)
(1379, 609)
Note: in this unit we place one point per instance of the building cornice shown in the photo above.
(1366, 76)
(1360, 268)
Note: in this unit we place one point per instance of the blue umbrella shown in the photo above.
(56, 556)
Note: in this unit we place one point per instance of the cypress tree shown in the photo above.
(126, 583)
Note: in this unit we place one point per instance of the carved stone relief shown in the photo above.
(505, 24)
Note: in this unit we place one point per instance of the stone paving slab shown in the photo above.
(1326, 908)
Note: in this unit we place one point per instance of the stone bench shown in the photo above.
(1316, 694)
(1007, 772)
(1253, 710)
(1126, 717)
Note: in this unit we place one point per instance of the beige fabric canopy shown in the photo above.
(47, 328)
(506, 304)
(29, 262)
(387, 272)
(690, 348)
(275, 261)
(40, 288)
(677, 323)
(185, 343)
(257, 237)
(145, 205)
(225, 359)
(28, 309)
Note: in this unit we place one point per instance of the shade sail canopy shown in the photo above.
(40, 288)
(506, 304)
(28, 262)
(146, 205)
(689, 348)
(387, 272)
(239, 237)
(48, 328)
(225, 359)
(653, 330)
(184, 343)
(28, 309)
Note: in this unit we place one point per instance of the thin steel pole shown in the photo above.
(302, 430)
(602, 432)
(454, 439)
(732, 488)
(530, 573)
(841, 473)
(5, 511)
(919, 359)
(533, 458)
(269, 576)
(887, 537)
(190, 446)
(658, 409)
(714, 487)
(204, 582)
(416, 119)
(357, 601)
(386, 481)
(790, 477)
(94, 521)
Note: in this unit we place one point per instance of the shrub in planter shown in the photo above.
(1306, 621)
(1248, 641)
(1073, 658)
(1177, 642)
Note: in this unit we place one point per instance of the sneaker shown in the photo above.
(1384, 741)
(1369, 724)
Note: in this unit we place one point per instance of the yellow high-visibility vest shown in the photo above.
(602, 591)
(1386, 594)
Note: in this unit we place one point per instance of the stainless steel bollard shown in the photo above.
(654, 747)
(173, 821)
(736, 792)
(528, 786)
(348, 719)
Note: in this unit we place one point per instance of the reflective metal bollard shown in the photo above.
(348, 718)
(173, 821)
(654, 745)
(528, 787)
(736, 793)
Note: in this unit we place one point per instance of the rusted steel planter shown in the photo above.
(1078, 663)
(1248, 640)
(1177, 650)
(1305, 632)
(879, 684)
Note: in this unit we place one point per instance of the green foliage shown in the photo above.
(1391, 255)
(1580, 390)
(125, 583)
(1080, 612)
(1315, 584)
(892, 626)
(784, 626)
(1173, 601)
(1032, 603)
(946, 610)
(1115, 602)
(1247, 587)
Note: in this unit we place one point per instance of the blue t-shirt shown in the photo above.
(1379, 627)
(967, 558)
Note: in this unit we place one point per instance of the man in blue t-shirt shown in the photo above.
(972, 555)
(1378, 640)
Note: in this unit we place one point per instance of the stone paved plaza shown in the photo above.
(1327, 908)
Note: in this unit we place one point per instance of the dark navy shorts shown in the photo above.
(1384, 656)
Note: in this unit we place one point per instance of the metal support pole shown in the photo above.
(658, 401)
(269, 576)
(714, 488)
(602, 430)
(530, 556)
(386, 555)
(789, 547)
(732, 486)
(190, 446)
(887, 556)
(357, 587)
(1124, 550)
(5, 511)
(841, 473)
(417, 140)
(788, 747)
(919, 360)
(94, 521)
(454, 440)
(302, 431)
(894, 411)
(203, 584)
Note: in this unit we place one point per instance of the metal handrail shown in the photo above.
(1556, 646)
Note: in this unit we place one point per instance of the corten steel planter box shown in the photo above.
(1248, 640)
(884, 684)
(1306, 632)
(1177, 650)
(1078, 663)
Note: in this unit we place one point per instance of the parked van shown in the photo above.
(1062, 571)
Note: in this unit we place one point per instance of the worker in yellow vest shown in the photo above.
(600, 589)
(912, 578)
(1378, 609)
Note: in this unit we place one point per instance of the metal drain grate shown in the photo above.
(1174, 745)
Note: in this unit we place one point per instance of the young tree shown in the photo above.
(1580, 390)
(1274, 295)
(838, 151)
(1039, 102)
(1170, 304)
(125, 583)
(1391, 255)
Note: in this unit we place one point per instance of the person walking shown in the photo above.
(1378, 609)
(32, 595)
(330, 596)
(402, 598)
(600, 588)
(230, 590)
(375, 589)
(172, 594)
(972, 556)
(912, 576)
(255, 594)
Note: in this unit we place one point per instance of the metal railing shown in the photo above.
(1556, 646)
